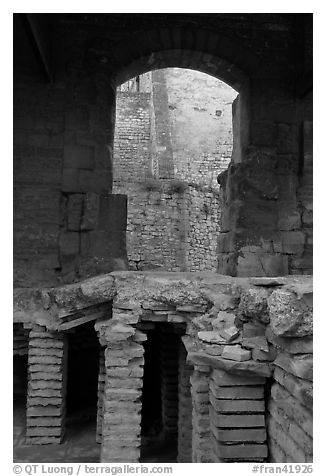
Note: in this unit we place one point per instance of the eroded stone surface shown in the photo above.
(291, 311)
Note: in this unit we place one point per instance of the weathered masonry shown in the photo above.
(232, 348)
(67, 225)
(173, 137)
(234, 358)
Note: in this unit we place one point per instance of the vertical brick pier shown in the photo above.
(237, 416)
(201, 436)
(121, 428)
(185, 408)
(47, 355)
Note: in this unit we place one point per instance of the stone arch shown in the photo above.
(201, 50)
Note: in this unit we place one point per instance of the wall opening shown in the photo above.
(82, 380)
(20, 377)
(160, 396)
(173, 137)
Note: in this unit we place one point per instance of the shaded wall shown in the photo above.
(266, 57)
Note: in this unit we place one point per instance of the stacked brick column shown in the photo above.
(46, 387)
(201, 436)
(185, 409)
(237, 415)
(169, 346)
(122, 394)
(100, 392)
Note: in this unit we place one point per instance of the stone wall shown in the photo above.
(181, 129)
(64, 128)
(171, 226)
(290, 406)
(201, 124)
(132, 147)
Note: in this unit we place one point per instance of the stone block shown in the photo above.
(229, 333)
(236, 353)
(262, 264)
(291, 242)
(78, 157)
(238, 406)
(90, 212)
(292, 345)
(74, 211)
(253, 305)
(43, 421)
(70, 180)
(299, 366)
(240, 421)
(224, 379)
(44, 384)
(291, 312)
(238, 393)
(262, 356)
(69, 243)
(243, 452)
(256, 342)
(257, 435)
(211, 337)
(43, 411)
(44, 431)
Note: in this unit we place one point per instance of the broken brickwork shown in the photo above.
(245, 384)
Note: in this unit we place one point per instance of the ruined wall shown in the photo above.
(173, 225)
(201, 124)
(204, 211)
(132, 137)
(248, 368)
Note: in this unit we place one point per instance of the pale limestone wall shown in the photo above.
(183, 129)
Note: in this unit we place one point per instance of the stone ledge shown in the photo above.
(248, 367)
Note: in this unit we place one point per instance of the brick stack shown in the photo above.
(201, 435)
(185, 409)
(290, 423)
(46, 387)
(100, 393)
(169, 347)
(237, 415)
(122, 406)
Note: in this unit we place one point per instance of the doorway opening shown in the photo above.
(160, 399)
(20, 378)
(173, 138)
(82, 382)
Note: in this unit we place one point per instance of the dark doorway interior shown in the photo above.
(19, 394)
(159, 437)
(82, 378)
